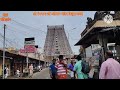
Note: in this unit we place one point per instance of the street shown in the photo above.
(44, 74)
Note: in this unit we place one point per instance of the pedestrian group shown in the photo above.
(110, 69)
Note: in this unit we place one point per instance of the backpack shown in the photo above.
(85, 67)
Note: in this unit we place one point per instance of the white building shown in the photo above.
(110, 46)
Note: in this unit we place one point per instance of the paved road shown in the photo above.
(44, 74)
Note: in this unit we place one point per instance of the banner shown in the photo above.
(30, 48)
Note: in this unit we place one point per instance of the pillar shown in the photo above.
(22, 65)
(83, 51)
(103, 40)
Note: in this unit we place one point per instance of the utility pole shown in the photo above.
(27, 60)
(4, 52)
(39, 59)
(69, 42)
(26, 50)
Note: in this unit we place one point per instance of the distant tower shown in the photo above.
(56, 42)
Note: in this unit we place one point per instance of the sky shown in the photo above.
(24, 24)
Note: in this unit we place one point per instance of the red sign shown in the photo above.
(30, 48)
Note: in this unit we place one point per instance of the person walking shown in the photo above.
(110, 69)
(18, 73)
(39, 68)
(5, 72)
(71, 66)
(78, 69)
(61, 68)
(53, 70)
(31, 71)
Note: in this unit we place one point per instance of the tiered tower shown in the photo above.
(56, 42)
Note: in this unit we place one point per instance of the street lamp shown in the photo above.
(68, 40)
(68, 33)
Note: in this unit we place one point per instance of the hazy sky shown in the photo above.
(24, 25)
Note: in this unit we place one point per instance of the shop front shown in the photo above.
(7, 63)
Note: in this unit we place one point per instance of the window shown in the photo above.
(56, 46)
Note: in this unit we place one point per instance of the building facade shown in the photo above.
(56, 42)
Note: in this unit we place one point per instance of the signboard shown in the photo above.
(30, 48)
(29, 45)
(29, 41)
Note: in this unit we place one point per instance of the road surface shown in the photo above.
(44, 74)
